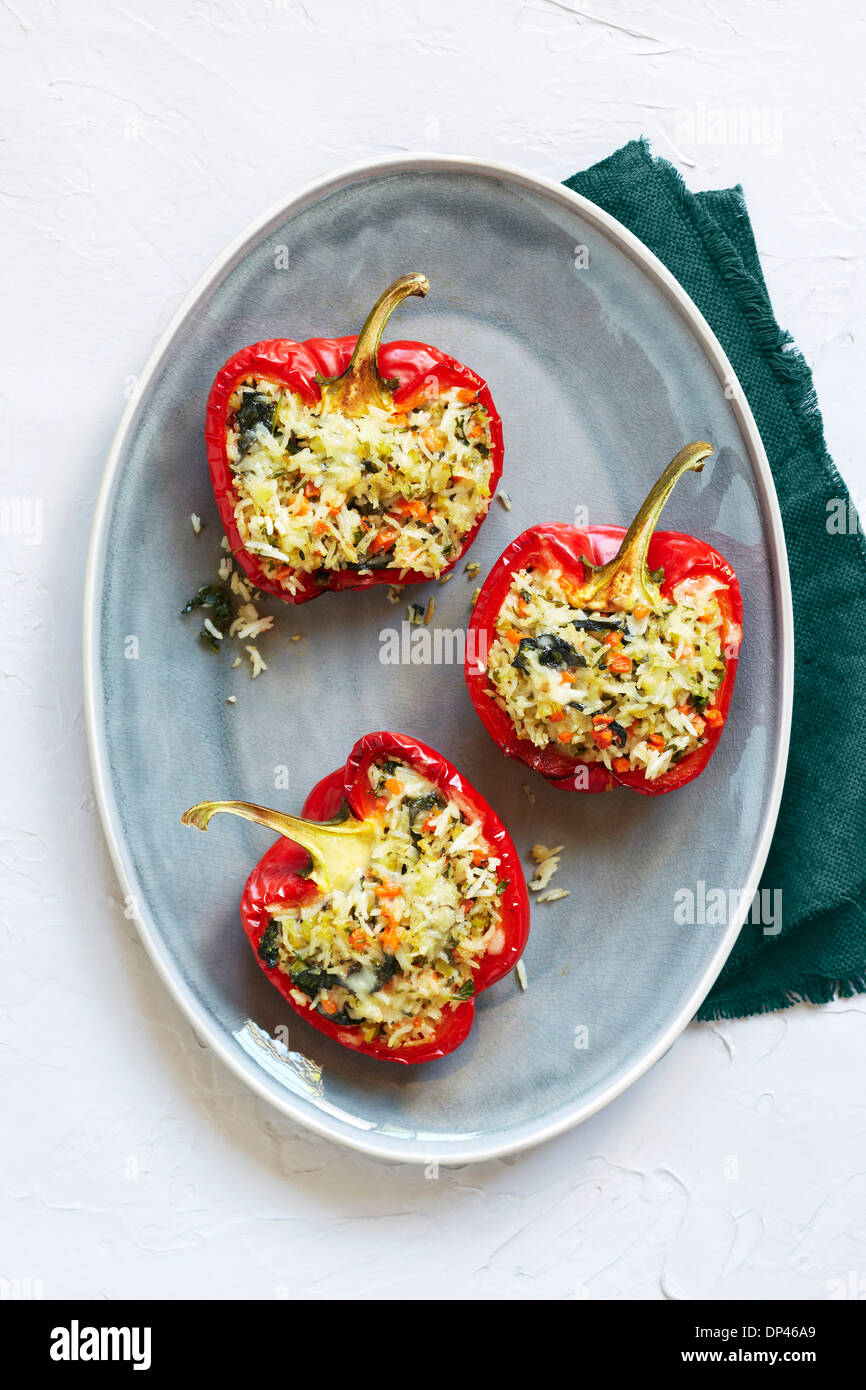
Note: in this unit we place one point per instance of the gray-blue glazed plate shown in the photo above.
(601, 368)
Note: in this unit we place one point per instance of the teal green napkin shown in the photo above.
(817, 855)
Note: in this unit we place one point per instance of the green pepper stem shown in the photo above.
(360, 385)
(338, 849)
(625, 580)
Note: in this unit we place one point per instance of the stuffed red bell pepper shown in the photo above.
(397, 900)
(604, 656)
(343, 462)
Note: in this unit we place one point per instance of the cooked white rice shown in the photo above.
(319, 492)
(399, 946)
(550, 669)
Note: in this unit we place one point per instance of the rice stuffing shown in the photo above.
(398, 946)
(321, 492)
(630, 690)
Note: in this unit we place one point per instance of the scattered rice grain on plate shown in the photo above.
(504, 499)
(472, 568)
(255, 661)
(547, 861)
(553, 895)
(475, 597)
(231, 699)
(225, 543)
(445, 578)
(431, 609)
(196, 523)
(296, 636)
(529, 793)
(240, 587)
(225, 567)
(520, 972)
(236, 663)
(214, 631)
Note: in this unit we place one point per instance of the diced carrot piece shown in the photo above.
(714, 717)
(602, 737)
(319, 528)
(386, 889)
(311, 489)
(656, 740)
(621, 764)
(394, 786)
(641, 611)
(620, 665)
(522, 606)
(358, 938)
(479, 856)
(564, 737)
(513, 637)
(557, 716)
(391, 938)
(601, 721)
(465, 395)
(382, 541)
(328, 1006)
(613, 639)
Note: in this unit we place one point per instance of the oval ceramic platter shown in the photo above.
(601, 368)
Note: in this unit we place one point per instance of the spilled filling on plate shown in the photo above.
(321, 492)
(398, 946)
(631, 690)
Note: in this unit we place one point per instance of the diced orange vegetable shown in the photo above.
(714, 717)
(393, 786)
(613, 639)
(391, 938)
(620, 665)
(513, 637)
(558, 714)
(602, 738)
(466, 395)
(656, 740)
(479, 856)
(319, 528)
(386, 889)
(684, 651)
(382, 541)
(311, 489)
(601, 721)
(328, 1006)
(641, 611)
(698, 724)
(564, 737)
(429, 824)
(358, 938)
(522, 606)
(399, 418)
(475, 430)
(621, 764)
(300, 507)
(434, 439)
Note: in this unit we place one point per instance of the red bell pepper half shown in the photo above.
(349, 376)
(609, 571)
(335, 835)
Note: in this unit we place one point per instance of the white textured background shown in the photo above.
(135, 141)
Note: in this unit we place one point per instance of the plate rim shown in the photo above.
(531, 1133)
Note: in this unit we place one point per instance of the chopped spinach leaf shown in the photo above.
(269, 945)
(254, 409)
(212, 596)
(552, 650)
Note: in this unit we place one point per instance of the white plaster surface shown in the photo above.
(135, 141)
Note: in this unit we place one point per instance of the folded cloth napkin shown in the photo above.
(817, 855)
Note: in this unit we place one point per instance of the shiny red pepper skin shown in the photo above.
(277, 879)
(560, 546)
(294, 365)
